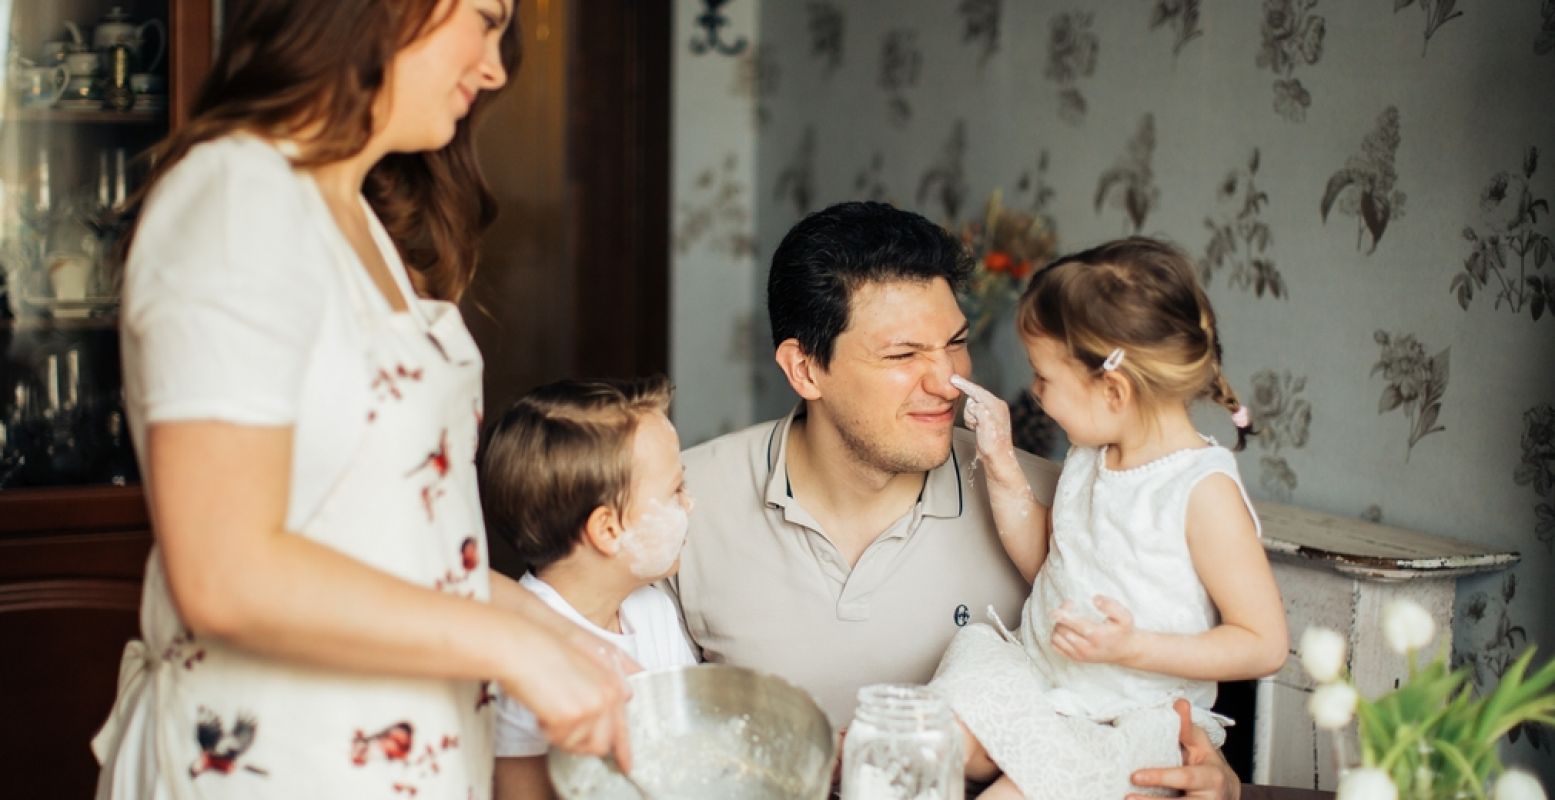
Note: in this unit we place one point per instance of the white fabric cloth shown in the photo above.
(650, 633)
(1065, 729)
(244, 303)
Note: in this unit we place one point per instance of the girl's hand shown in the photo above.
(988, 416)
(1105, 641)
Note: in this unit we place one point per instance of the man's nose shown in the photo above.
(936, 379)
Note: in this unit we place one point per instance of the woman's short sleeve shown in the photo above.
(226, 288)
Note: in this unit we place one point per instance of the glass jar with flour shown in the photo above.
(903, 745)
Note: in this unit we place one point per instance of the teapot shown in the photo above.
(118, 28)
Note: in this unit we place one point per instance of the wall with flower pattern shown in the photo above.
(1366, 183)
(713, 258)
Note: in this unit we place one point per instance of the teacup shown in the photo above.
(83, 63)
(41, 86)
(70, 275)
(83, 88)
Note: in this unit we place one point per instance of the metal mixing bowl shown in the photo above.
(711, 731)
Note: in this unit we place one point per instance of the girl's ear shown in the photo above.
(1116, 390)
(602, 531)
(799, 368)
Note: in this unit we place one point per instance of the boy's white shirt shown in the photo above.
(651, 634)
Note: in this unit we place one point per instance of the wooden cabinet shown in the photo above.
(73, 545)
(1340, 573)
(71, 562)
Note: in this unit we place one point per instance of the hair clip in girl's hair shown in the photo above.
(1242, 418)
(1113, 360)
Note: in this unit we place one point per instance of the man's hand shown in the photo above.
(1106, 641)
(1204, 773)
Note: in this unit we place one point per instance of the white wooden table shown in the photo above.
(1339, 573)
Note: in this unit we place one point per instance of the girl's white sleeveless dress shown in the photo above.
(1063, 729)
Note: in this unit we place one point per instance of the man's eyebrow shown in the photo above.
(960, 333)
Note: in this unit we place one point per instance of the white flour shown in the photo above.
(653, 544)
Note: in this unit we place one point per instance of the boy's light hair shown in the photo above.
(561, 451)
(1143, 296)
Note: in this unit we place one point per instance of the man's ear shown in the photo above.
(800, 368)
(602, 531)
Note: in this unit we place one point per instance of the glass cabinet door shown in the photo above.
(86, 87)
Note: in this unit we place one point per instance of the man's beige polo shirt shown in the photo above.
(761, 586)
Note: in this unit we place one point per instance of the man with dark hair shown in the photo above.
(844, 544)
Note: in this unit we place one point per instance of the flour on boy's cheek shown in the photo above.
(652, 545)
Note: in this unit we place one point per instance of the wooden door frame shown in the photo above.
(618, 174)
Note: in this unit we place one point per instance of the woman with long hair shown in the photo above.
(318, 619)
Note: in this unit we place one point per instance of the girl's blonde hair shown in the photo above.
(1140, 296)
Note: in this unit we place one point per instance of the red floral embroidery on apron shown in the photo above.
(220, 749)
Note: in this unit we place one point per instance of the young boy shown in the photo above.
(584, 478)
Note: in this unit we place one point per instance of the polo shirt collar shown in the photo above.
(943, 493)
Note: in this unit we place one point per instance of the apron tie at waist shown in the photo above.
(135, 668)
(127, 745)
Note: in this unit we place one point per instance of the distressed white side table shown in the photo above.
(1339, 573)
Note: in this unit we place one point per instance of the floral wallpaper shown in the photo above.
(1071, 57)
(1537, 468)
(1284, 416)
(1292, 33)
(1239, 236)
(1415, 383)
(725, 81)
(900, 63)
(1362, 182)
(1364, 187)
(1130, 185)
(1179, 16)
(1510, 246)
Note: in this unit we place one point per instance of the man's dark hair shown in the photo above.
(831, 253)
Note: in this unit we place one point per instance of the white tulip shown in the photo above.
(1332, 705)
(1516, 784)
(1322, 653)
(1367, 783)
(1407, 626)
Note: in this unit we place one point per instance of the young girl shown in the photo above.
(584, 479)
(1150, 583)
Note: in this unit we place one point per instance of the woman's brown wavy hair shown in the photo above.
(289, 66)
